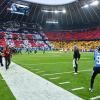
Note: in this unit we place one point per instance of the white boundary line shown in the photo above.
(75, 89)
(94, 98)
(65, 73)
(26, 85)
(64, 83)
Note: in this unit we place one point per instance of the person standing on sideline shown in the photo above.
(96, 68)
(76, 57)
(7, 56)
(1, 52)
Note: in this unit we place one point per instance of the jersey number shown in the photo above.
(98, 59)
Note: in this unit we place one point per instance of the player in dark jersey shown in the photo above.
(76, 57)
(1, 51)
(96, 69)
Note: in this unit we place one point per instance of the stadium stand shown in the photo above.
(87, 41)
(88, 35)
(18, 40)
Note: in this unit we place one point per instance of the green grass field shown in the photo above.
(5, 93)
(55, 62)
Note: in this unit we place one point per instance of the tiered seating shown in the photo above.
(88, 35)
(55, 36)
(83, 45)
(3, 42)
(2, 39)
(29, 36)
(15, 35)
(18, 43)
(40, 44)
(18, 40)
(2, 34)
(37, 36)
(33, 43)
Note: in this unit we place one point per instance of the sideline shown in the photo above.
(26, 85)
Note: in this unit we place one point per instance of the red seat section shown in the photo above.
(18, 43)
(2, 39)
(3, 42)
(88, 35)
(15, 36)
(29, 36)
(33, 44)
(40, 44)
(52, 36)
(2, 35)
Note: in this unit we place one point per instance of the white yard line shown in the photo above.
(54, 78)
(94, 98)
(47, 63)
(65, 72)
(54, 74)
(53, 63)
(75, 89)
(64, 83)
(26, 85)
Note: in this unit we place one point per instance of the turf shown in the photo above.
(5, 93)
(59, 62)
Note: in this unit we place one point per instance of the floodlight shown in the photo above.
(52, 22)
(95, 3)
(56, 12)
(64, 11)
(85, 6)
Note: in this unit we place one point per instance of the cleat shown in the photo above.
(90, 89)
(75, 73)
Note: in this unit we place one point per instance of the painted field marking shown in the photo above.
(47, 63)
(54, 63)
(30, 67)
(94, 98)
(40, 71)
(54, 78)
(55, 74)
(75, 89)
(64, 83)
(65, 73)
(34, 83)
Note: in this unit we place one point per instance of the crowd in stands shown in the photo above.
(83, 45)
(71, 36)
(21, 40)
(86, 41)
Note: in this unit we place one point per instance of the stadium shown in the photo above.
(38, 39)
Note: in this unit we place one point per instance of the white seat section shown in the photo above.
(26, 85)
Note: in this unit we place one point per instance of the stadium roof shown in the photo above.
(76, 15)
(51, 2)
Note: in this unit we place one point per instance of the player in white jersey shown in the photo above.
(96, 69)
